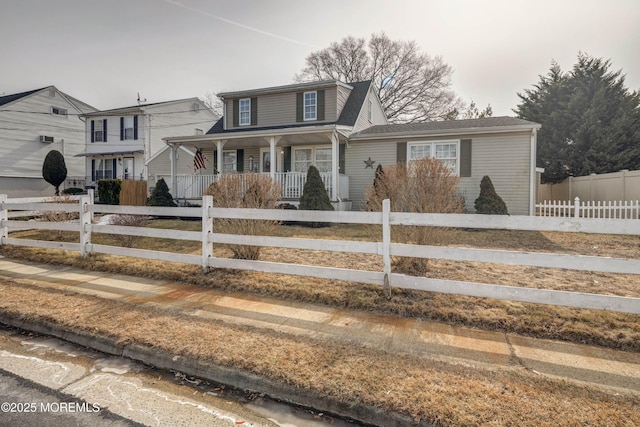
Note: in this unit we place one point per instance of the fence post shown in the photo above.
(207, 228)
(576, 212)
(386, 242)
(4, 216)
(85, 224)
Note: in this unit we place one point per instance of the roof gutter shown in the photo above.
(444, 132)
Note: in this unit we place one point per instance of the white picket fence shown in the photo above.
(384, 247)
(590, 209)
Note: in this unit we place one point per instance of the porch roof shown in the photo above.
(109, 153)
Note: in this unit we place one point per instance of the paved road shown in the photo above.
(47, 382)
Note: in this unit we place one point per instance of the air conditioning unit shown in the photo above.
(47, 139)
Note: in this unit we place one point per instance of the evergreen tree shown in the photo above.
(488, 202)
(54, 169)
(314, 196)
(590, 120)
(161, 196)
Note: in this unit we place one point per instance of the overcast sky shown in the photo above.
(105, 52)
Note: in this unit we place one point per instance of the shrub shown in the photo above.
(73, 191)
(255, 191)
(109, 191)
(60, 216)
(160, 195)
(489, 202)
(54, 170)
(288, 206)
(426, 186)
(128, 240)
(315, 197)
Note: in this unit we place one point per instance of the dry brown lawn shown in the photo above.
(615, 330)
(427, 390)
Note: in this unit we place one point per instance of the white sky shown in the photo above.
(104, 52)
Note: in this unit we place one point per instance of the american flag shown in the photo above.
(198, 161)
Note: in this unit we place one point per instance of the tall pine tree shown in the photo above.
(590, 120)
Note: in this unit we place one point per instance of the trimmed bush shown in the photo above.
(315, 197)
(54, 170)
(161, 196)
(489, 202)
(288, 207)
(109, 191)
(73, 191)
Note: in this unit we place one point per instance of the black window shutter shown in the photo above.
(240, 160)
(135, 127)
(121, 128)
(236, 112)
(215, 161)
(114, 169)
(104, 130)
(93, 127)
(287, 159)
(341, 158)
(320, 105)
(254, 111)
(401, 150)
(465, 158)
(299, 107)
(93, 169)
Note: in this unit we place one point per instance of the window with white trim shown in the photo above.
(244, 107)
(310, 105)
(98, 131)
(320, 157)
(447, 152)
(104, 169)
(229, 161)
(128, 127)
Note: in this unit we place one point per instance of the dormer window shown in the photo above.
(310, 106)
(245, 112)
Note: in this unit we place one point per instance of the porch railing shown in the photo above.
(292, 184)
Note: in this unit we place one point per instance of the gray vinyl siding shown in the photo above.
(342, 96)
(22, 153)
(161, 165)
(280, 109)
(505, 158)
(378, 116)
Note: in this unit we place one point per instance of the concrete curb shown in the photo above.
(218, 374)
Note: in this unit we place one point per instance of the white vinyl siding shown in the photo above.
(366, 119)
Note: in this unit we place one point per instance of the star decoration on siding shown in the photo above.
(369, 163)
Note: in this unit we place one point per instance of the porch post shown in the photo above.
(273, 140)
(174, 168)
(219, 145)
(335, 153)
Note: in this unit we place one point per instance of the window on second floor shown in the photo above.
(99, 130)
(245, 112)
(128, 127)
(310, 105)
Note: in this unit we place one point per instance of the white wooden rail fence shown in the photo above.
(590, 209)
(384, 247)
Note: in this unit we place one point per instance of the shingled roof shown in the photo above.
(10, 98)
(448, 125)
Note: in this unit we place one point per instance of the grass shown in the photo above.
(608, 329)
(427, 390)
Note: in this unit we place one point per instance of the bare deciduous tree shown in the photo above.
(212, 102)
(412, 86)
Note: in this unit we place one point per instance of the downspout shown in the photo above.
(532, 174)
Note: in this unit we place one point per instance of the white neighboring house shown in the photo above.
(127, 143)
(33, 123)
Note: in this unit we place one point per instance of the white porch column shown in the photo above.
(174, 167)
(335, 153)
(273, 140)
(219, 145)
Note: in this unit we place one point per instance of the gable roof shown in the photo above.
(14, 97)
(140, 108)
(487, 124)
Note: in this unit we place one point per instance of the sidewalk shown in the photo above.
(471, 347)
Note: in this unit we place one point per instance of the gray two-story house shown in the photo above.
(341, 129)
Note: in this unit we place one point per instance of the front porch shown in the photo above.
(292, 184)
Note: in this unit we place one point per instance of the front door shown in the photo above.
(127, 168)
